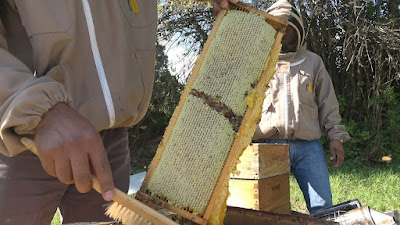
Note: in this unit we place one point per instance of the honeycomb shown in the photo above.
(237, 59)
(191, 159)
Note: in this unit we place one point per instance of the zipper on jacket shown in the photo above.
(285, 100)
(285, 103)
(286, 96)
(98, 62)
(283, 69)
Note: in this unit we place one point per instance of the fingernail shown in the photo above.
(108, 196)
(225, 4)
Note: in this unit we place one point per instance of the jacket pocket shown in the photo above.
(306, 88)
(308, 114)
(146, 62)
(308, 127)
(147, 15)
(44, 16)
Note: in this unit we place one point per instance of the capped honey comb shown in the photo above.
(216, 117)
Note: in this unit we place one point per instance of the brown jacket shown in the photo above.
(306, 106)
(95, 55)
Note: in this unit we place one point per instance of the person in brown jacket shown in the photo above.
(73, 75)
(300, 106)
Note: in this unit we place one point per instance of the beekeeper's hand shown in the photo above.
(71, 149)
(221, 4)
(337, 152)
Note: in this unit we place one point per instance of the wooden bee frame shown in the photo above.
(252, 115)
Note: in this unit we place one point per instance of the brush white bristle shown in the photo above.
(124, 215)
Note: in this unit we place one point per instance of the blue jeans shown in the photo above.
(308, 166)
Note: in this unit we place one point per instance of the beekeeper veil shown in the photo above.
(285, 10)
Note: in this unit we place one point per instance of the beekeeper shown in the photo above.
(299, 107)
(74, 74)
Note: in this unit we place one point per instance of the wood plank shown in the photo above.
(274, 192)
(260, 161)
(276, 22)
(274, 160)
(266, 194)
(283, 209)
(244, 194)
(248, 166)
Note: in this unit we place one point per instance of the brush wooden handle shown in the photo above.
(136, 206)
(120, 197)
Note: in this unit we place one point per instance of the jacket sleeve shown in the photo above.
(24, 99)
(328, 107)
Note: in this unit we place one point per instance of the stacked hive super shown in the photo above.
(215, 118)
(263, 179)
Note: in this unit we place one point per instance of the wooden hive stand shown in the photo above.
(263, 179)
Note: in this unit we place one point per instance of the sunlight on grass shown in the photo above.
(374, 187)
(56, 219)
(296, 197)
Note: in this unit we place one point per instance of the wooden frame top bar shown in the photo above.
(278, 23)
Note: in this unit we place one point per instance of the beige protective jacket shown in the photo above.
(96, 55)
(300, 104)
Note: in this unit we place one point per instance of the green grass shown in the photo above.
(375, 187)
(56, 219)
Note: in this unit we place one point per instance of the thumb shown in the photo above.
(333, 154)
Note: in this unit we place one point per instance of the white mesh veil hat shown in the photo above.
(285, 10)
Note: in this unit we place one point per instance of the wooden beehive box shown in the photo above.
(260, 161)
(263, 179)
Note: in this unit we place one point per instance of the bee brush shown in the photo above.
(124, 209)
